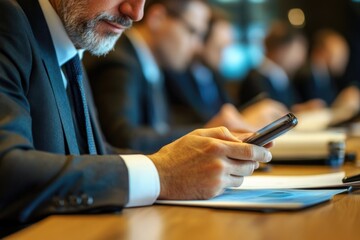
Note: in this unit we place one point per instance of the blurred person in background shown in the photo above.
(200, 90)
(285, 53)
(323, 77)
(128, 84)
(197, 91)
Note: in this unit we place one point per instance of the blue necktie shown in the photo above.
(75, 77)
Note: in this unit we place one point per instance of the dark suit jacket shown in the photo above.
(123, 97)
(320, 86)
(186, 103)
(41, 171)
(255, 83)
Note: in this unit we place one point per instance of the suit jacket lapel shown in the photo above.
(42, 35)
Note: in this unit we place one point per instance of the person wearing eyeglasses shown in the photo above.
(129, 85)
(200, 91)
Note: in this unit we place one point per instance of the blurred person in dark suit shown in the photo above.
(323, 77)
(198, 93)
(128, 84)
(285, 53)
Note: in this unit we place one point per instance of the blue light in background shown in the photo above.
(238, 59)
(234, 64)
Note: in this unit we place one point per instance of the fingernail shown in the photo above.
(268, 156)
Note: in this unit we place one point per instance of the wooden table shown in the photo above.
(336, 219)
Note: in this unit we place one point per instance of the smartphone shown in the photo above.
(273, 130)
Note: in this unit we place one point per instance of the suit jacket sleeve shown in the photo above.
(35, 183)
(252, 85)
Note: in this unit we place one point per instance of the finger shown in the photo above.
(221, 133)
(240, 168)
(243, 136)
(234, 181)
(244, 151)
(241, 131)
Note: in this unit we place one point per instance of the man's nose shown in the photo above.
(134, 9)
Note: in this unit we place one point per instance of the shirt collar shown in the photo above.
(64, 47)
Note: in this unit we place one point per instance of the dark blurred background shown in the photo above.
(252, 18)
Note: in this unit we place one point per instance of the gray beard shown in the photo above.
(90, 40)
(82, 31)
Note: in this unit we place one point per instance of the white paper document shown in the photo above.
(263, 200)
(330, 180)
(268, 193)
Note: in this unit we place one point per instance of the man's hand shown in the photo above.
(229, 117)
(264, 112)
(309, 106)
(348, 99)
(203, 163)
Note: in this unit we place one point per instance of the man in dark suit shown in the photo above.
(132, 107)
(323, 77)
(285, 52)
(193, 97)
(53, 159)
(129, 84)
(198, 93)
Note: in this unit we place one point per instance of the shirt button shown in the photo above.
(74, 201)
(59, 202)
(87, 200)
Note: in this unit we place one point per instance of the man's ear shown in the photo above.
(156, 16)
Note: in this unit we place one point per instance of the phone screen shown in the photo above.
(273, 130)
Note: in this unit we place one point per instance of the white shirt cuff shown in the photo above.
(144, 182)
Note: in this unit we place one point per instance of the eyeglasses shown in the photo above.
(189, 28)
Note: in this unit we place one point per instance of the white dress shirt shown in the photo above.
(144, 183)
